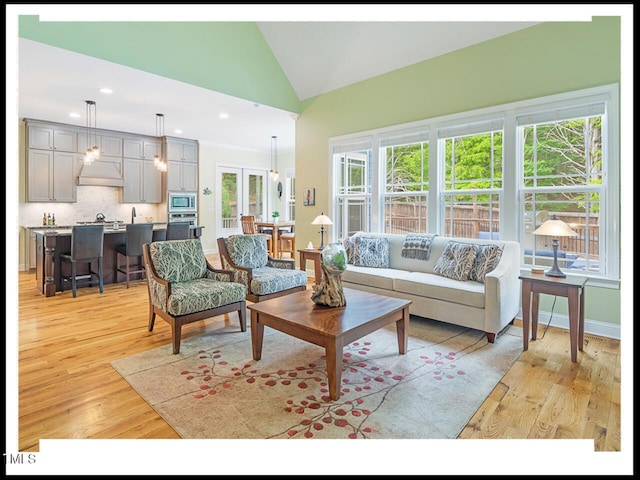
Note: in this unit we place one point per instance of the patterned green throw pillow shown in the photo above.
(486, 260)
(456, 260)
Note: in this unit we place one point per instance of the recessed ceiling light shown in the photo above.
(177, 131)
(74, 115)
(224, 115)
(106, 90)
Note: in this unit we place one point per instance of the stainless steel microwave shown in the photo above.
(182, 202)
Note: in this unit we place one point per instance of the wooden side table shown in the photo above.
(533, 284)
(312, 254)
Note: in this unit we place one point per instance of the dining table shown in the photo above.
(275, 228)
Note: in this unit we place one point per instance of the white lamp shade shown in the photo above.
(322, 219)
(555, 228)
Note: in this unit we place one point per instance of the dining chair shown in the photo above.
(87, 246)
(137, 235)
(178, 230)
(248, 223)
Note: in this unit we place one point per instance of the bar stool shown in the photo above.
(137, 235)
(178, 230)
(87, 244)
(287, 243)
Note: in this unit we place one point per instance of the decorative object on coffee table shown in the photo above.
(333, 264)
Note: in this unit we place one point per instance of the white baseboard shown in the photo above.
(592, 327)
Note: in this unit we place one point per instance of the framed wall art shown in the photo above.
(309, 197)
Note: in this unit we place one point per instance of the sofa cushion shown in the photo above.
(268, 280)
(248, 250)
(418, 246)
(203, 294)
(373, 277)
(487, 258)
(371, 252)
(456, 260)
(441, 288)
(178, 260)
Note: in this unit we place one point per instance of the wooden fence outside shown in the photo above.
(469, 221)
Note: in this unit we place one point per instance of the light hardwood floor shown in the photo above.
(68, 390)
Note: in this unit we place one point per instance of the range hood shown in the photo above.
(101, 172)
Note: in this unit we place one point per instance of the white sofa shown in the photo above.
(488, 306)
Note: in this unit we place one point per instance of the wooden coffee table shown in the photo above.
(329, 327)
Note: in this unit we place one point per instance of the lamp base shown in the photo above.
(555, 273)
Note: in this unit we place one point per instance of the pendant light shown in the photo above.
(273, 173)
(93, 153)
(159, 162)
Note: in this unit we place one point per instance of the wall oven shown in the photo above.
(182, 207)
(192, 218)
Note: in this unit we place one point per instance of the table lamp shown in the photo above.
(555, 228)
(322, 220)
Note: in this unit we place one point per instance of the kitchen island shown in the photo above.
(50, 243)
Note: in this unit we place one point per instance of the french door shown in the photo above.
(239, 191)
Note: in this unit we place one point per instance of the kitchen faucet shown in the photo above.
(133, 213)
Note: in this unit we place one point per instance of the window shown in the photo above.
(406, 175)
(561, 156)
(494, 173)
(470, 198)
(353, 184)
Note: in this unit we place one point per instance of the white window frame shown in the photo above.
(510, 215)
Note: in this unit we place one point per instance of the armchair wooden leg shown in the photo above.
(242, 314)
(176, 332)
(152, 318)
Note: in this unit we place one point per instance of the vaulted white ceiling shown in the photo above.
(318, 57)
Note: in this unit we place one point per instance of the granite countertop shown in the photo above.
(62, 226)
(66, 230)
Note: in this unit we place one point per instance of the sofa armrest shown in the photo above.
(502, 289)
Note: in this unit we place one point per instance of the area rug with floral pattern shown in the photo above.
(213, 389)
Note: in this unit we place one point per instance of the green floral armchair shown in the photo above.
(264, 276)
(184, 287)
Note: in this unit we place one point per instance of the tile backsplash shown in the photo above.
(91, 201)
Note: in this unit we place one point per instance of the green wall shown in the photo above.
(546, 59)
(228, 57)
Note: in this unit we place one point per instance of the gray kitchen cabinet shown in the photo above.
(182, 164)
(110, 146)
(144, 148)
(181, 150)
(51, 176)
(182, 176)
(44, 137)
(142, 182)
